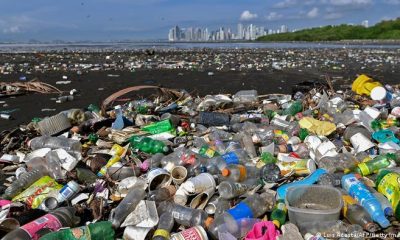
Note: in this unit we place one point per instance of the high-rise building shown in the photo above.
(284, 29)
(240, 31)
(365, 23)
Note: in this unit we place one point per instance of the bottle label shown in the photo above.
(190, 234)
(357, 190)
(390, 187)
(241, 211)
(230, 158)
(81, 233)
(47, 221)
(364, 169)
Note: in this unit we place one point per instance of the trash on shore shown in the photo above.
(316, 164)
(8, 89)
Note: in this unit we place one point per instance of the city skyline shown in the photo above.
(242, 32)
(151, 19)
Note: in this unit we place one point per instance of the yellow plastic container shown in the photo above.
(364, 85)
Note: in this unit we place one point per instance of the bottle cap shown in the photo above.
(378, 93)
(208, 221)
(276, 223)
(225, 172)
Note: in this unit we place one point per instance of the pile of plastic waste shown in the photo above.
(314, 165)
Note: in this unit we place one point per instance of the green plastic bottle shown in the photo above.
(267, 157)
(278, 215)
(94, 231)
(148, 145)
(294, 108)
(159, 127)
(379, 162)
(388, 183)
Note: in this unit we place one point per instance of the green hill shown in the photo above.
(383, 30)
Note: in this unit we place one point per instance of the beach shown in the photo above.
(201, 72)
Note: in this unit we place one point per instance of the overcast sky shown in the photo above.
(21, 20)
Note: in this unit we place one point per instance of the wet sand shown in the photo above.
(95, 86)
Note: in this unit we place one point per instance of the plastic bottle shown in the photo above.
(25, 180)
(54, 165)
(165, 225)
(153, 162)
(248, 144)
(158, 127)
(239, 173)
(311, 179)
(230, 189)
(127, 205)
(238, 156)
(185, 216)
(278, 215)
(67, 144)
(162, 194)
(148, 145)
(294, 108)
(208, 151)
(379, 162)
(356, 214)
(97, 230)
(386, 206)
(388, 183)
(61, 217)
(219, 145)
(359, 191)
(252, 207)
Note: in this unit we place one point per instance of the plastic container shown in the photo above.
(310, 204)
(53, 125)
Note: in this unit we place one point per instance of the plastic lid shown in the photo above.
(276, 223)
(208, 221)
(378, 93)
(225, 172)
(382, 221)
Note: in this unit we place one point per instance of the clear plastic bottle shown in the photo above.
(67, 144)
(218, 143)
(230, 190)
(239, 173)
(356, 214)
(165, 225)
(54, 165)
(360, 192)
(152, 162)
(185, 216)
(25, 180)
(248, 144)
(162, 194)
(253, 206)
(238, 156)
(60, 218)
(127, 205)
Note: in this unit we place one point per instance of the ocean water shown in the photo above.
(16, 48)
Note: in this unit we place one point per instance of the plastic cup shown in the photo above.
(179, 174)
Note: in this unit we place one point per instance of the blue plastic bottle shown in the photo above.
(360, 192)
(311, 179)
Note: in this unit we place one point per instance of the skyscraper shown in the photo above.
(284, 29)
(240, 31)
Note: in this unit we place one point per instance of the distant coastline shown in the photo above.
(381, 32)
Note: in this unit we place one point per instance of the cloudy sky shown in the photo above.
(21, 20)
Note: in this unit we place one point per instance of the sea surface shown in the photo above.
(26, 48)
